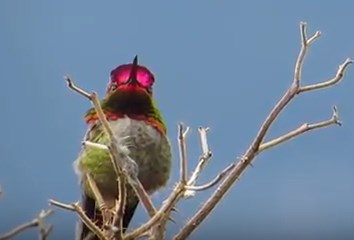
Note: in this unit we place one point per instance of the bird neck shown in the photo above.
(137, 105)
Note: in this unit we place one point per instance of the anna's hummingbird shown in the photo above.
(133, 116)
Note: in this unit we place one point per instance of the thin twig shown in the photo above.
(213, 182)
(37, 222)
(75, 207)
(58, 204)
(336, 79)
(73, 87)
(253, 149)
(300, 130)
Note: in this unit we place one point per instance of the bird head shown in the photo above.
(133, 77)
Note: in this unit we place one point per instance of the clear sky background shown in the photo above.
(221, 64)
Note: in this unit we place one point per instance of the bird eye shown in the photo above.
(113, 86)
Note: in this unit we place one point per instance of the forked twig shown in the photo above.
(336, 79)
(36, 222)
(203, 160)
(300, 130)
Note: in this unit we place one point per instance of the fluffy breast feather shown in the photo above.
(147, 147)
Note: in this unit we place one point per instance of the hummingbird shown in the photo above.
(134, 117)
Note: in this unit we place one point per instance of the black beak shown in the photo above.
(133, 72)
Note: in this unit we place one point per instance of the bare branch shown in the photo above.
(300, 130)
(336, 79)
(254, 148)
(37, 222)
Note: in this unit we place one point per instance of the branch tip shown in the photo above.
(72, 86)
(335, 116)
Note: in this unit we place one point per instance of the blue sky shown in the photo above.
(221, 64)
